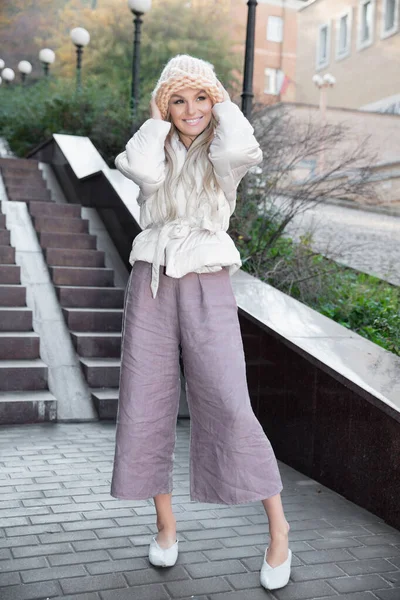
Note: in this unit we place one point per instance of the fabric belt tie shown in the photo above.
(172, 230)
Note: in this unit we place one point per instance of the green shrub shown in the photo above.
(30, 115)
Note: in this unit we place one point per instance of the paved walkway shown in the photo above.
(362, 240)
(63, 536)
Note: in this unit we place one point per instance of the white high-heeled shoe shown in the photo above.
(163, 557)
(272, 578)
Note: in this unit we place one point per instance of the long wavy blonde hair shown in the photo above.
(164, 205)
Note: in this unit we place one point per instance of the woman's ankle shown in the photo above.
(280, 532)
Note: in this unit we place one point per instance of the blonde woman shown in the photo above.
(188, 160)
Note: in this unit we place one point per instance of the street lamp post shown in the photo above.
(138, 8)
(80, 38)
(247, 94)
(8, 75)
(323, 83)
(46, 57)
(25, 68)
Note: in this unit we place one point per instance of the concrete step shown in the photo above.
(85, 297)
(15, 184)
(12, 295)
(27, 198)
(28, 193)
(10, 274)
(97, 345)
(93, 319)
(17, 408)
(78, 241)
(106, 402)
(61, 224)
(78, 276)
(19, 164)
(7, 255)
(15, 318)
(101, 372)
(45, 209)
(18, 375)
(60, 257)
(19, 345)
(2, 221)
(4, 237)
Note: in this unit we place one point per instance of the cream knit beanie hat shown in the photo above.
(185, 71)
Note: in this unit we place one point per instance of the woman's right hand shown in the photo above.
(154, 110)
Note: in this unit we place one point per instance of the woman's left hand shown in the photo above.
(225, 94)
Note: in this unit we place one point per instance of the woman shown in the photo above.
(188, 160)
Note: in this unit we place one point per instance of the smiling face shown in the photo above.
(190, 112)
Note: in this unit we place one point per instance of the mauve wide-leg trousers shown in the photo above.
(231, 459)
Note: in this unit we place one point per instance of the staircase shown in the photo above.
(24, 397)
(91, 304)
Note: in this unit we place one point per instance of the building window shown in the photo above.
(323, 46)
(273, 81)
(343, 35)
(275, 29)
(390, 18)
(366, 18)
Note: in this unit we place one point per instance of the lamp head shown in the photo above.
(317, 79)
(25, 67)
(80, 36)
(47, 56)
(8, 74)
(2, 64)
(140, 6)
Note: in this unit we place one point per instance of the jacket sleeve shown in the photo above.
(143, 160)
(234, 148)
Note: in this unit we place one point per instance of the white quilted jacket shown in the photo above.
(192, 242)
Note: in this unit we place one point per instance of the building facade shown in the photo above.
(358, 42)
(275, 46)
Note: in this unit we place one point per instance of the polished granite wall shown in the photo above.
(320, 426)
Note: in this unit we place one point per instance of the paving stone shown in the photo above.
(254, 594)
(21, 564)
(8, 542)
(385, 538)
(148, 592)
(203, 534)
(304, 590)
(392, 594)
(226, 553)
(74, 536)
(96, 544)
(74, 558)
(7, 579)
(90, 596)
(321, 571)
(150, 575)
(358, 583)
(393, 577)
(334, 543)
(207, 585)
(244, 581)
(365, 566)
(377, 551)
(325, 556)
(52, 573)
(40, 550)
(92, 583)
(211, 569)
(32, 591)
(115, 566)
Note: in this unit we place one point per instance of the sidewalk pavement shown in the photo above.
(64, 537)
